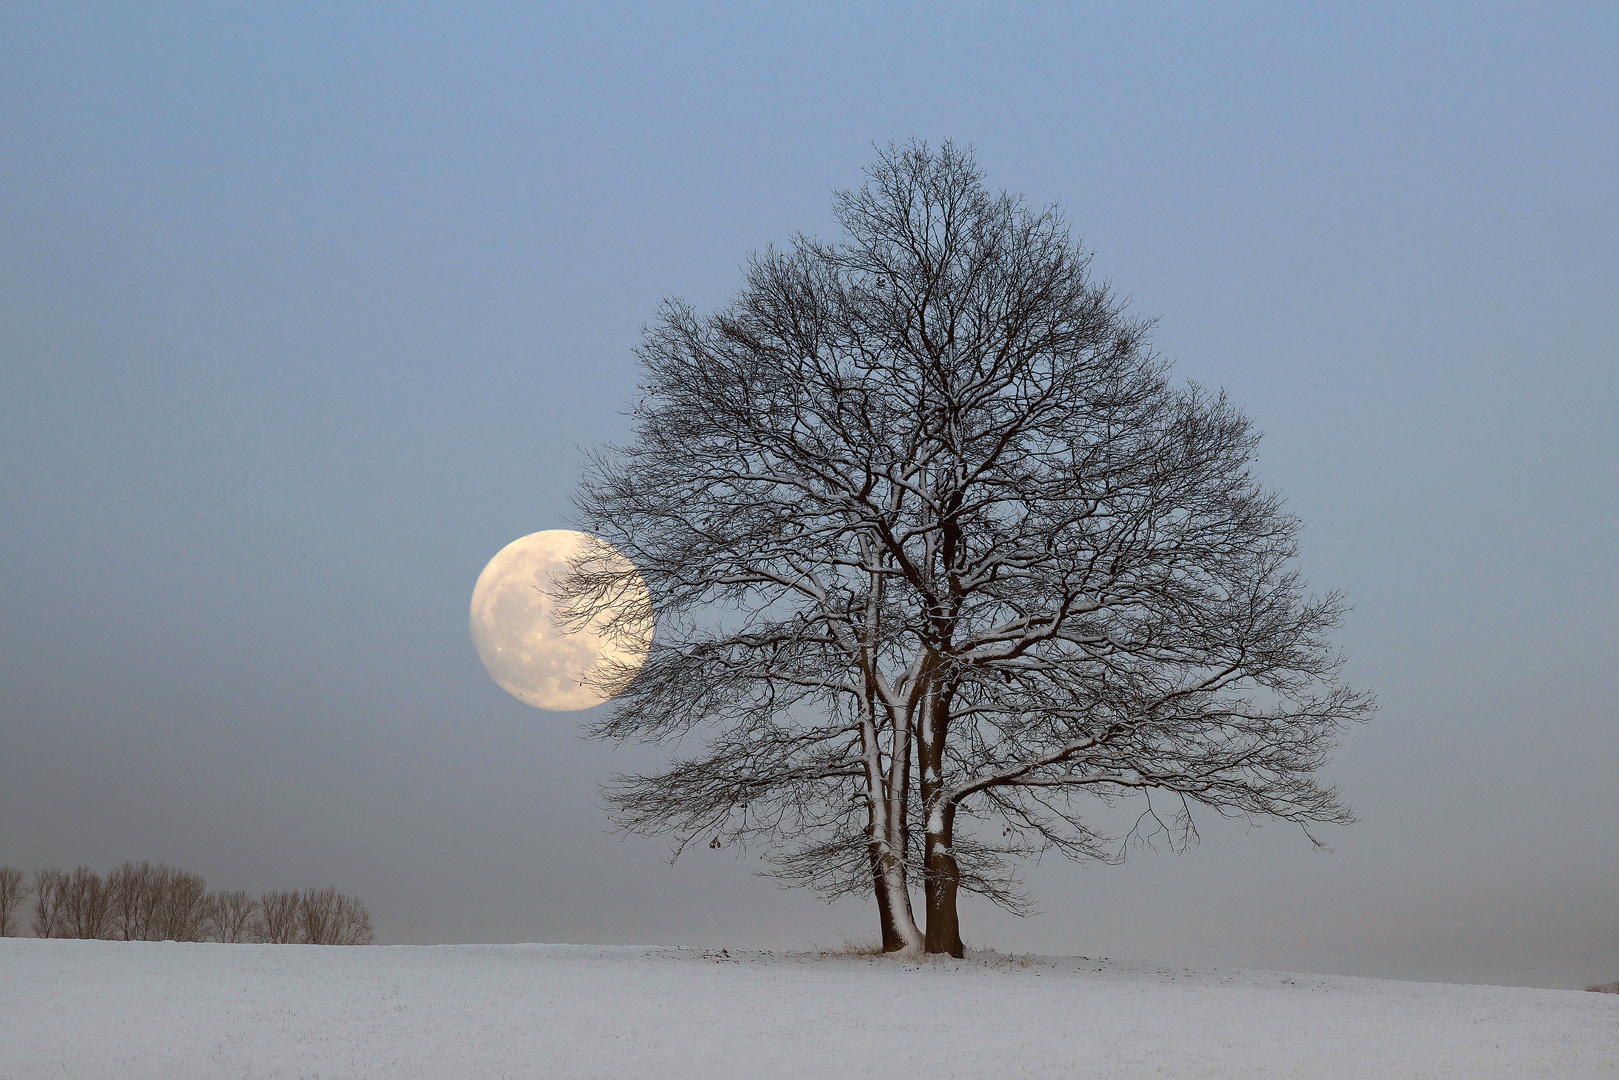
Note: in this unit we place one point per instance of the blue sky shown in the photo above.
(307, 310)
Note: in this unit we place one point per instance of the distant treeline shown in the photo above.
(143, 902)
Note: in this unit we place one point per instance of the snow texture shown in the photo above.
(159, 1009)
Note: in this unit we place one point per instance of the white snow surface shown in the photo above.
(176, 1011)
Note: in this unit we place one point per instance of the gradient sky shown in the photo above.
(307, 310)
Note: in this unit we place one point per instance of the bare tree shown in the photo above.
(13, 890)
(131, 900)
(327, 917)
(180, 905)
(234, 914)
(278, 921)
(352, 924)
(48, 888)
(936, 548)
(317, 915)
(84, 906)
(146, 902)
(209, 929)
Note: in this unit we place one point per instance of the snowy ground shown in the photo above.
(138, 1009)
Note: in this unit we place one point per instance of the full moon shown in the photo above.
(525, 649)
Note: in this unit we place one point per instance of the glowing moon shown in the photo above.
(524, 648)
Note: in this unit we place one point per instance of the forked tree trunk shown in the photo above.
(886, 838)
(892, 941)
(899, 927)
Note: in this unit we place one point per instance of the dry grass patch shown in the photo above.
(860, 945)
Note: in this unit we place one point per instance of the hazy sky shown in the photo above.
(305, 313)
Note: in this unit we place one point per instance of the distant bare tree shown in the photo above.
(1604, 988)
(278, 918)
(13, 887)
(146, 902)
(210, 918)
(129, 886)
(181, 910)
(157, 894)
(84, 907)
(233, 915)
(48, 886)
(327, 917)
(317, 915)
(353, 923)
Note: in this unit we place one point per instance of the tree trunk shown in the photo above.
(885, 831)
(943, 882)
(942, 875)
(892, 941)
(896, 897)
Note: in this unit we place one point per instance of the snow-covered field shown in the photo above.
(138, 1009)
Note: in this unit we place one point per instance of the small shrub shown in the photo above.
(1604, 988)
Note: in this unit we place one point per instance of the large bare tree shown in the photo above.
(936, 549)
